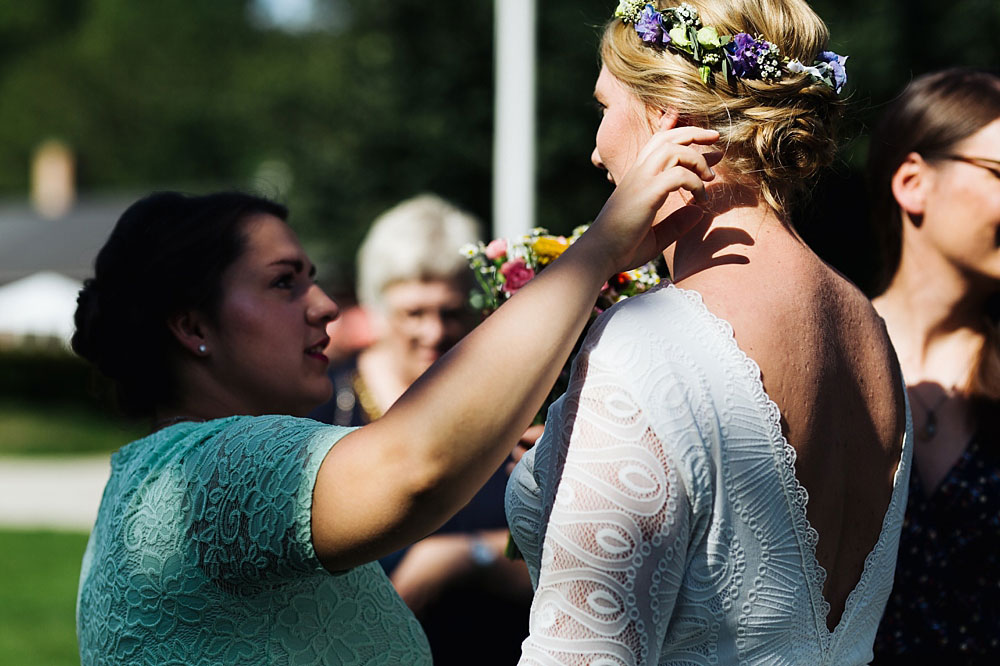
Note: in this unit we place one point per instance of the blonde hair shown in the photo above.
(418, 239)
(775, 135)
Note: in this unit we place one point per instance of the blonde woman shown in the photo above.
(724, 481)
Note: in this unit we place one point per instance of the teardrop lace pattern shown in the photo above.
(202, 553)
(738, 580)
(613, 514)
(799, 497)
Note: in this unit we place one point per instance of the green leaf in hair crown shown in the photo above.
(739, 56)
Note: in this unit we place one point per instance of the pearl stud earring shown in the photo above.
(202, 349)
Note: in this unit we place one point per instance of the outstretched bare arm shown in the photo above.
(396, 480)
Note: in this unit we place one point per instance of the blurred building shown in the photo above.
(38, 308)
(48, 242)
(31, 242)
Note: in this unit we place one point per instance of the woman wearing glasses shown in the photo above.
(935, 171)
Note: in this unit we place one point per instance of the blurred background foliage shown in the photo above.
(368, 104)
(340, 115)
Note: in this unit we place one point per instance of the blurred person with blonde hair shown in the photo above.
(414, 285)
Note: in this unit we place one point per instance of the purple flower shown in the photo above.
(650, 27)
(837, 63)
(743, 53)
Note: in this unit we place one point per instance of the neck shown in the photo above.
(202, 408)
(200, 396)
(737, 227)
(934, 315)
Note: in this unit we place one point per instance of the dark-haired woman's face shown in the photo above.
(266, 345)
(961, 218)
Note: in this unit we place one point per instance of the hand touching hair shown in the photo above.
(776, 134)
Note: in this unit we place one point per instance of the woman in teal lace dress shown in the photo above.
(239, 533)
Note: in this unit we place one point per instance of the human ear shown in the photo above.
(188, 329)
(909, 185)
(662, 119)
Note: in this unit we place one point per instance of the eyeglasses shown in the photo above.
(993, 166)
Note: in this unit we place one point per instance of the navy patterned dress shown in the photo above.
(945, 603)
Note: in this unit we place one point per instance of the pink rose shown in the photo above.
(517, 274)
(496, 249)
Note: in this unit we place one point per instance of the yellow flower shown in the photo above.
(548, 248)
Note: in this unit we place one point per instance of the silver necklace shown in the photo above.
(930, 427)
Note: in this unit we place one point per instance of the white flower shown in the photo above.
(688, 15)
(630, 10)
(796, 67)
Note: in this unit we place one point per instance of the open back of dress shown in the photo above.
(660, 515)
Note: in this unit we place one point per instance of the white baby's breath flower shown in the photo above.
(629, 10)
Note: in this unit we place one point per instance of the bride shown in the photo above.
(724, 480)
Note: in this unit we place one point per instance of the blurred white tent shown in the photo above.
(38, 306)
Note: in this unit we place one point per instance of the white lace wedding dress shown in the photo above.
(660, 516)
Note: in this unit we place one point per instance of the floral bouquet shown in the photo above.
(502, 267)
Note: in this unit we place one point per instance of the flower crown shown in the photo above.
(739, 56)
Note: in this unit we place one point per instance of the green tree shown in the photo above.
(344, 121)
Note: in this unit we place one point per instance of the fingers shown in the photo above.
(689, 134)
(667, 170)
(682, 177)
(531, 435)
(672, 160)
(685, 134)
(671, 148)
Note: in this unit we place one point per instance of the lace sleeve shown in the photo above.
(615, 546)
(249, 498)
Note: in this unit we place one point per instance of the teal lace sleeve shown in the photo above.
(202, 553)
(250, 501)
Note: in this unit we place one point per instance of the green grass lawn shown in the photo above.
(42, 429)
(41, 569)
(38, 596)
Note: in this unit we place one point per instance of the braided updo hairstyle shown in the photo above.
(776, 135)
(166, 254)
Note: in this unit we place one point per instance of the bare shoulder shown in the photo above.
(794, 306)
(814, 335)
